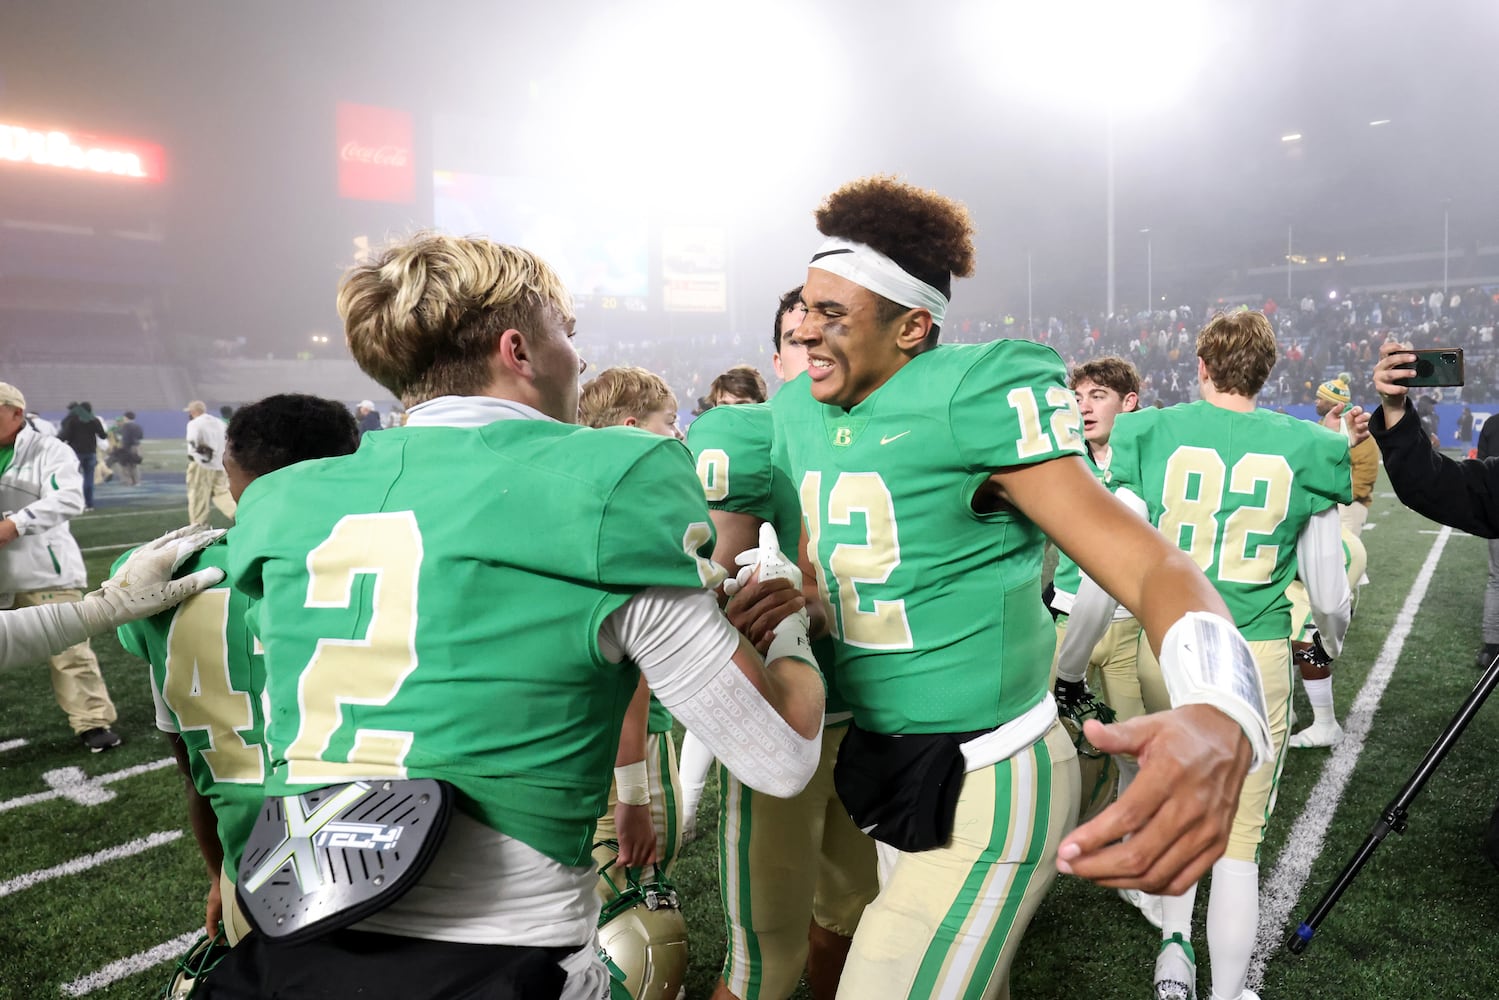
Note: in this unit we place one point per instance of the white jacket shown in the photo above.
(40, 491)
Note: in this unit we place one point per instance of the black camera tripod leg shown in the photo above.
(1394, 815)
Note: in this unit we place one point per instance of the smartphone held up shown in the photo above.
(1439, 366)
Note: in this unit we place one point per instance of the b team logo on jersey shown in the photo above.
(847, 430)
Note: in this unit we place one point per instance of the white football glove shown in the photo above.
(768, 558)
(143, 586)
(790, 636)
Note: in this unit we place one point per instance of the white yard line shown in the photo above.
(88, 861)
(13, 745)
(115, 971)
(1279, 893)
(97, 514)
(113, 548)
(103, 779)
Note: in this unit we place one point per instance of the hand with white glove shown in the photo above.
(143, 586)
(766, 603)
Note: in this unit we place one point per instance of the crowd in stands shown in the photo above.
(1320, 337)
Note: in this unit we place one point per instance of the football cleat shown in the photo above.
(1100, 775)
(191, 969)
(1176, 970)
(641, 931)
(1318, 735)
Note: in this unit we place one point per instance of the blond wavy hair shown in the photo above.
(619, 393)
(1238, 350)
(422, 316)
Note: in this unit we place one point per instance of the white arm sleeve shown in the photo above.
(685, 648)
(1319, 559)
(1092, 610)
(29, 635)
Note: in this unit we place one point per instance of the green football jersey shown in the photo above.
(1233, 490)
(208, 676)
(1067, 575)
(936, 609)
(659, 720)
(734, 449)
(430, 607)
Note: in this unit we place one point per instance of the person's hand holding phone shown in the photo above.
(1393, 368)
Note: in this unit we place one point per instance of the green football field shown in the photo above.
(100, 882)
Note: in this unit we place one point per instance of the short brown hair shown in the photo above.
(422, 317)
(1109, 371)
(1238, 350)
(623, 392)
(741, 380)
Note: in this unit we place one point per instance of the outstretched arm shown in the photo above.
(1177, 814)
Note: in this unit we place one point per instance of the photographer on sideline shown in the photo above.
(1464, 495)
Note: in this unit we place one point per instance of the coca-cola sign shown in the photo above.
(380, 156)
(374, 154)
(80, 152)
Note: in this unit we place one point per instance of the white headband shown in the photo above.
(867, 267)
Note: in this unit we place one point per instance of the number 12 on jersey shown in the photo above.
(884, 624)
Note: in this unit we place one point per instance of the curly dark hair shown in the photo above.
(928, 234)
(284, 429)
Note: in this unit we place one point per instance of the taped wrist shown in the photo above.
(632, 783)
(790, 639)
(1205, 661)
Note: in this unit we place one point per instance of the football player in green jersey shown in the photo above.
(1105, 387)
(789, 359)
(472, 598)
(927, 476)
(1251, 496)
(205, 671)
(643, 800)
(796, 873)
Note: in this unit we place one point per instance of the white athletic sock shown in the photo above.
(1176, 914)
(1319, 693)
(1128, 768)
(692, 765)
(1233, 922)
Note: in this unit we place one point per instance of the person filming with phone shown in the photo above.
(1463, 494)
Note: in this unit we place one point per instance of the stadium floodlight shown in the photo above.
(677, 93)
(1379, 121)
(1291, 137)
(1089, 56)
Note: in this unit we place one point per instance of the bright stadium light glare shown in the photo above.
(1291, 137)
(1090, 53)
(677, 90)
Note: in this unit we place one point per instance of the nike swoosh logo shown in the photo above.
(893, 437)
